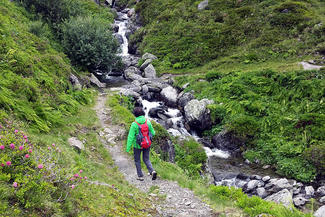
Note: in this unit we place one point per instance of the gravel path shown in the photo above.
(179, 202)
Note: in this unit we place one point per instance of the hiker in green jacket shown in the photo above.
(137, 149)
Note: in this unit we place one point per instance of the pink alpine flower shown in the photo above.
(85, 177)
(71, 179)
(8, 163)
(21, 148)
(73, 186)
(2, 164)
(2, 147)
(49, 148)
(53, 144)
(27, 156)
(30, 150)
(80, 171)
(12, 146)
(25, 137)
(16, 131)
(40, 166)
(15, 185)
(76, 175)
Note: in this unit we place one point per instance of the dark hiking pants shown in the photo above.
(145, 158)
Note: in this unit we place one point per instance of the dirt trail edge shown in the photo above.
(179, 201)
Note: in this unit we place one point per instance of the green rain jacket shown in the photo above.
(134, 130)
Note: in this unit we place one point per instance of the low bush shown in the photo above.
(89, 43)
(31, 178)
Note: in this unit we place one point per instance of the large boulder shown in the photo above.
(150, 72)
(197, 115)
(169, 96)
(76, 143)
(281, 184)
(183, 99)
(320, 212)
(145, 64)
(226, 141)
(95, 82)
(75, 82)
(149, 56)
(321, 191)
(131, 93)
(203, 4)
(155, 85)
(133, 73)
(284, 197)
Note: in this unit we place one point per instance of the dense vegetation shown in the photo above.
(40, 174)
(230, 45)
(245, 31)
(279, 116)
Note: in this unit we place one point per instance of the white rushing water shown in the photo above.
(122, 31)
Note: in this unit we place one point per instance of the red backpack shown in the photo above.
(144, 136)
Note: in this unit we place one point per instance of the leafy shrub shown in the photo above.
(31, 177)
(289, 14)
(316, 155)
(213, 75)
(191, 157)
(55, 11)
(243, 126)
(89, 43)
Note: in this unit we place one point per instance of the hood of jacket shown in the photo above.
(141, 119)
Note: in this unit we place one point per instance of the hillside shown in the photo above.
(245, 56)
(230, 32)
(277, 113)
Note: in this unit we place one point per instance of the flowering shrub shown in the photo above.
(31, 177)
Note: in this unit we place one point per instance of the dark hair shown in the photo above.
(138, 111)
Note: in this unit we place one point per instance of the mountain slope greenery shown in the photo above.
(40, 173)
(248, 31)
(244, 55)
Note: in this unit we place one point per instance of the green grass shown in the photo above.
(250, 32)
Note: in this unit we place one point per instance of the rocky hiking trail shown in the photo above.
(179, 201)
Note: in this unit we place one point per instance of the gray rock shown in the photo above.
(150, 72)
(321, 191)
(322, 200)
(115, 28)
(320, 212)
(145, 64)
(281, 184)
(197, 115)
(127, 92)
(94, 81)
(251, 185)
(296, 190)
(149, 56)
(257, 177)
(261, 192)
(299, 201)
(75, 82)
(309, 191)
(169, 95)
(203, 5)
(136, 83)
(266, 178)
(131, 12)
(145, 89)
(76, 143)
(284, 197)
(155, 86)
(119, 38)
(132, 73)
(183, 99)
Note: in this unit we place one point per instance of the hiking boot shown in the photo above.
(140, 178)
(154, 175)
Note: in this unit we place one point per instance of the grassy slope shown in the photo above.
(35, 94)
(243, 31)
